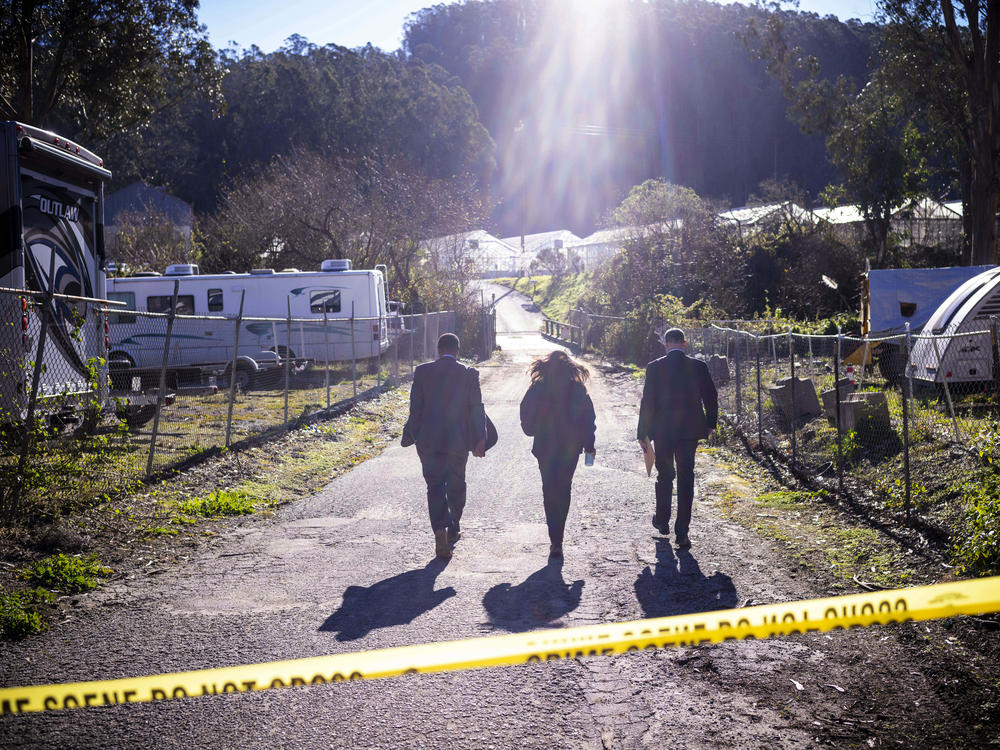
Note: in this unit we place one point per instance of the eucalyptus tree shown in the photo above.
(947, 58)
(92, 68)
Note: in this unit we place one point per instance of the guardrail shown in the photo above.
(565, 333)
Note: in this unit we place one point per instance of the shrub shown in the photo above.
(977, 550)
(68, 573)
(220, 503)
(18, 616)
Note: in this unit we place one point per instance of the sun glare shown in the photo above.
(566, 133)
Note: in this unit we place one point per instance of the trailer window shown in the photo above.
(161, 303)
(325, 300)
(129, 299)
(214, 300)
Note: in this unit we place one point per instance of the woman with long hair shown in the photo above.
(558, 413)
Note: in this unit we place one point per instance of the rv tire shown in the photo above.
(136, 417)
(891, 362)
(245, 376)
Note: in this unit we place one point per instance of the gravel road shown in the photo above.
(352, 568)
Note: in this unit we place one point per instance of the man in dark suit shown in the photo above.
(680, 406)
(446, 421)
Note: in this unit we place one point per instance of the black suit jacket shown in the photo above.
(679, 400)
(446, 408)
(561, 422)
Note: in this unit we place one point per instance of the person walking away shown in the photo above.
(446, 421)
(680, 406)
(558, 412)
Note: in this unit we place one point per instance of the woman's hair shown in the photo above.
(557, 368)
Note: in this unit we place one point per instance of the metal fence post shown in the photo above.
(811, 373)
(739, 383)
(995, 356)
(326, 350)
(395, 361)
(837, 419)
(378, 371)
(482, 324)
(904, 387)
(354, 356)
(288, 351)
(163, 378)
(232, 368)
(795, 411)
(760, 409)
(35, 376)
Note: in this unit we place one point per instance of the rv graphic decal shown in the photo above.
(56, 240)
(260, 329)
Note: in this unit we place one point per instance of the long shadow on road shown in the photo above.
(393, 601)
(678, 587)
(538, 600)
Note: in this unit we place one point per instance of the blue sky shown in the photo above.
(353, 23)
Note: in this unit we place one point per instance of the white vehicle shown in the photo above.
(962, 359)
(335, 291)
(893, 297)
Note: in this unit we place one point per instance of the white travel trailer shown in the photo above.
(961, 359)
(335, 292)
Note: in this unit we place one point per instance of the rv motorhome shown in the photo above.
(52, 225)
(335, 293)
(963, 359)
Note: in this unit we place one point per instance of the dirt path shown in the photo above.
(351, 568)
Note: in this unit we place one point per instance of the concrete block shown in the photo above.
(845, 387)
(869, 410)
(718, 366)
(806, 403)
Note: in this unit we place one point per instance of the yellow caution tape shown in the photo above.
(883, 607)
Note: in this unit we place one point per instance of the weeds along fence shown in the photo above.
(876, 419)
(95, 398)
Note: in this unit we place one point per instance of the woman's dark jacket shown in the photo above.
(561, 419)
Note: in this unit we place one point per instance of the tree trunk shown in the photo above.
(983, 180)
(982, 222)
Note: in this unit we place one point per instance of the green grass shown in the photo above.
(789, 498)
(18, 614)
(70, 574)
(555, 297)
(220, 503)
(160, 531)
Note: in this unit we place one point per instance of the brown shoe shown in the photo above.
(441, 547)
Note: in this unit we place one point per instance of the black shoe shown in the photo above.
(555, 550)
(683, 542)
(663, 528)
(454, 532)
(441, 547)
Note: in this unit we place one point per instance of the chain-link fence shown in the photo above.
(873, 417)
(95, 398)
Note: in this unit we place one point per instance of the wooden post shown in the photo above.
(163, 377)
(232, 367)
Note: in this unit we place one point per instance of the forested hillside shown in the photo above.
(582, 113)
(570, 116)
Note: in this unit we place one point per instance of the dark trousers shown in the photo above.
(675, 458)
(445, 477)
(557, 480)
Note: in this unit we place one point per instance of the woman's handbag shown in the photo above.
(491, 432)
